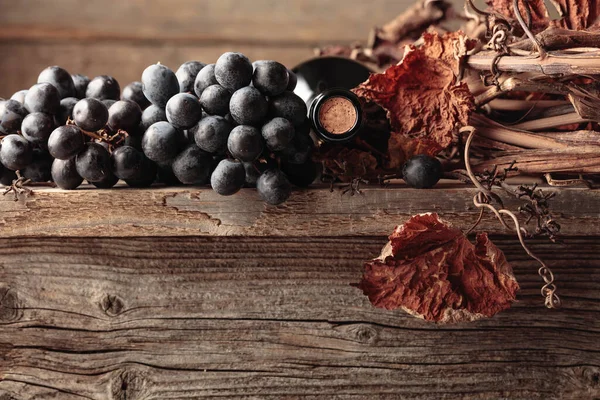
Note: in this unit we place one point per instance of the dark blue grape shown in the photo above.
(422, 171)
(211, 133)
(228, 177)
(292, 82)
(245, 143)
(233, 71)
(254, 170)
(16, 152)
(65, 142)
(299, 149)
(125, 115)
(186, 75)
(162, 142)
(39, 168)
(103, 87)
(278, 133)
(36, 128)
(64, 174)
(90, 114)
(19, 96)
(80, 83)
(66, 110)
(107, 182)
(159, 84)
(183, 111)
(147, 178)
(215, 100)
(270, 77)
(289, 106)
(248, 106)
(273, 187)
(60, 79)
(42, 97)
(152, 115)
(12, 114)
(93, 163)
(135, 92)
(193, 166)
(205, 78)
(127, 163)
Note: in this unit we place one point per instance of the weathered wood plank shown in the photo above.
(275, 318)
(188, 211)
(264, 21)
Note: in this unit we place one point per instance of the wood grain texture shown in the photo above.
(184, 211)
(275, 318)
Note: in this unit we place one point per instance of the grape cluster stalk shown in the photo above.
(230, 124)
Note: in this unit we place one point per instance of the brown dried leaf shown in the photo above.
(432, 271)
(347, 164)
(424, 103)
(539, 12)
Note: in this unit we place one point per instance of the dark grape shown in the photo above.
(211, 134)
(301, 175)
(292, 82)
(278, 133)
(39, 168)
(7, 176)
(90, 114)
(127, 162)
(42, 97)
(270, 77)
(299, 149)
(245, 143)
(159, 84)
(228, 178)
(186, 75)
(166, 176)
(193, 166)
(60, 79)
(125, 115)
(66, 110)
(135, 92)
(11, 116)
(253, 171)
(64, 174)
(80, 82)
(19, 96)
(152, 115)
(273, 187)
(248, 106)
(289, 106)
(36, 128)
(215, 100)
(93, 163)
(16, 152)
(107, 182)
(103, 87)
(147, 177)
(108, 103)
(422, 171)
(183, 111)
(205, 78)
(233, 71)
(162, 142)
(134, 141)
(65, 142)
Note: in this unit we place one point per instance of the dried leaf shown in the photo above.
(539, 13)
(432, 271)
(347, 164)
(424, 103)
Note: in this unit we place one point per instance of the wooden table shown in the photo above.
(171, 293)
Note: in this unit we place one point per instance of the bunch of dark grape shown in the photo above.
(228, 125)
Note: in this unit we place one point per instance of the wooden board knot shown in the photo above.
(112, 305)
(128, 384)
(9, 304)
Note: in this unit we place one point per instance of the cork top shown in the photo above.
(337, 115)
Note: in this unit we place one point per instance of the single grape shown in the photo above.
(93, 163)
(205, 78)
(299, 149)
(125, 115)
(66, 110)
(135, 92)
(301, 175)
(64, 174)
(186, 75)
(215, 100)
(152, 115)
(39, 168)
(245, 143)
(16, 152)
(80, 83)
(107, 182)
(103, 87)
(159, 84)
(292, 82)
(422, 171)
(147, 177)
(162, 142)
(60, 79)
(183, 111)
(254, 170)
(248, 106)
(127, 163)
(289, 106)
(228, 177)
(233, 71)
(211, 133)
(90, 114)
(36, 128)
(278, 133)
(12, 114)
(193, 166)
(273, 187)
(42, 97)
(7, 176)
(19, 96)
(270, 77)
(65, 142)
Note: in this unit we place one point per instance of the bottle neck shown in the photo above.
(336, 115)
